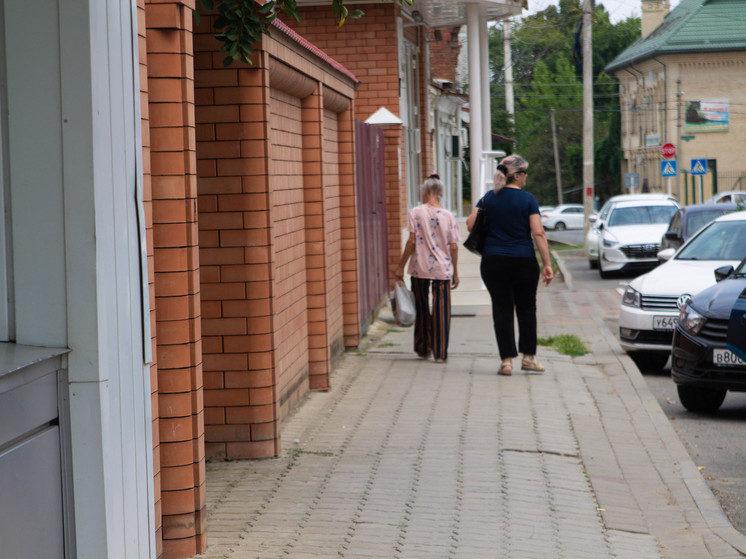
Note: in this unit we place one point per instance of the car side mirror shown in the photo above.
(600, 225)
(592, 218)
(665, 254)
(672, 236)
(723, 272)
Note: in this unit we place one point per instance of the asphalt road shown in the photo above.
(716, 442)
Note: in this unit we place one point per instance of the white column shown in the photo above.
(484, 61)
(475, 103)
(508, 69)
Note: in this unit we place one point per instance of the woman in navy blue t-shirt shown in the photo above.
(509, 266)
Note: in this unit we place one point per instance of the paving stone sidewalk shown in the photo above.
(406, 458)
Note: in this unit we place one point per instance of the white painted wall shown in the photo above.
(74, 270)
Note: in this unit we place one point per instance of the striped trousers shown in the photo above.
(432, 327)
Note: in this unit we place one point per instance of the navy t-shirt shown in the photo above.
(507, 218)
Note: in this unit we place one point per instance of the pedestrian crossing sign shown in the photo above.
(668, 168)
(699, 166)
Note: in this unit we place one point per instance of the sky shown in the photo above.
(618, 9)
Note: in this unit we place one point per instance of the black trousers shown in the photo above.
(512, 284)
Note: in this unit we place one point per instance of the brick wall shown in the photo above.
(170, 185)
(368, 47)
(272, 238)
(293, 298)
(444, 53)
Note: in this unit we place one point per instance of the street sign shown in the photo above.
(699, 167)
(668, 151)
(668, 168)
(631, 180)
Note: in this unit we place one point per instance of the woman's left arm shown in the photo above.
(471, 219)
(453, 249)
(540, 237)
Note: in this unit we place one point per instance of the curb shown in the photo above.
(709, 507)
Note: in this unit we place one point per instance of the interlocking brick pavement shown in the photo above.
(405, 458)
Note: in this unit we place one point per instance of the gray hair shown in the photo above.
(433, 185)
(507, 168)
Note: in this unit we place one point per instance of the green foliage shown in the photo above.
(240, 23)
(547, 75)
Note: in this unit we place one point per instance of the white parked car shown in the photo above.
(564, 216)
(593, 236)
(729, 196)
(650, 305)
(631, 236)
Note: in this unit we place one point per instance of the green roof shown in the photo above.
(692, 26)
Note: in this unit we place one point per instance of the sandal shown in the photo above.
(506, 369)
(532, 365)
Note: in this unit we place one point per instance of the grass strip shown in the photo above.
(567, 344)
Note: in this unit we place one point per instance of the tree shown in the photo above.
(240, 23)
(547, 76)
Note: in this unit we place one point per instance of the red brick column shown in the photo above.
(348, 208)
(396, 195)
(316, 254)
(179, 406)
(241, 413)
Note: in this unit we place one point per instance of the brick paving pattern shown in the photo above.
(406, 458)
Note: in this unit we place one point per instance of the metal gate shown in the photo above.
(371, 219)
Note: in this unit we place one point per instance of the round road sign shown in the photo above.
(668, 151)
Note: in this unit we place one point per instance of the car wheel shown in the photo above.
(698, 399)
(593, 264)
(604, 273)
(649, 361)
(560, 226)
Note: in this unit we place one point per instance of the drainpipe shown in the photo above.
(475, 103)
(640, 151)
(665, 98)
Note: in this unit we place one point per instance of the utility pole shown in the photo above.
(508, 70)
(679, 127)
(557, 171)
(588, 186)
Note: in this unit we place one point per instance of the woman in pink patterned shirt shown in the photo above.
(433, 246)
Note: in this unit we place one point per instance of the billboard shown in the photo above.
(707, 115)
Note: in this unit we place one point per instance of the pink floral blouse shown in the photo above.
(435, 229)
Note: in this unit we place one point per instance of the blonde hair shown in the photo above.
(508, 167)
(433, 186)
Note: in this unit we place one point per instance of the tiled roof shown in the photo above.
(302, 41)
(692, 26)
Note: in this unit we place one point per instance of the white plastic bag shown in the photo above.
(402, 305)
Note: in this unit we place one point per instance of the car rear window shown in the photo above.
(698, 220)
(641, 215)
(722, 240)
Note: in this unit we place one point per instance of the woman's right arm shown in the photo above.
(408, 250)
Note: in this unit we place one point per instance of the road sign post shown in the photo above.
(668, 170)
(631, 181)
(699, 169)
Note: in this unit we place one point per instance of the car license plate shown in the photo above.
(725, 357)
(664, 322)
